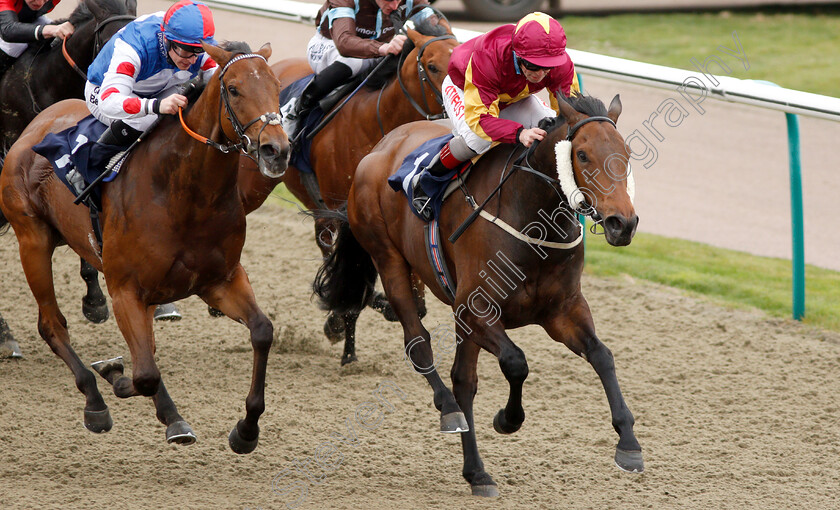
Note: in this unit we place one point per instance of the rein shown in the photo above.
(268, 118)
(479, 210)
(97, 41)
(70, 60)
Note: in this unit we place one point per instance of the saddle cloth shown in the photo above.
(411, 169)
(300, 152)
(76, 157)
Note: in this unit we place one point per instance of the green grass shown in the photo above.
(797, 51)
(730, 277)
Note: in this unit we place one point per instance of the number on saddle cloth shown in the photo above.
(76, 157)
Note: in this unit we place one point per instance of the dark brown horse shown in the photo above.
(47, 73)
(173, 226)
(503, 279)
(353, 132)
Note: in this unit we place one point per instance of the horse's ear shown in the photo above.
(265, 51)
(220, 56)
(131, 7)
(442, 21)
(98, 11)
(416, 37)
(567, 110)
(615, 109)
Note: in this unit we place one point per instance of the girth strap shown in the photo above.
(437, 260)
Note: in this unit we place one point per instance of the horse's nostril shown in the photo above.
(268, 151)
(614, 223)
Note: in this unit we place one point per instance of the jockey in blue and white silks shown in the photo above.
(136, 75)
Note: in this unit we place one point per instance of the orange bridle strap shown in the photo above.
(202, 139)
(69, 59)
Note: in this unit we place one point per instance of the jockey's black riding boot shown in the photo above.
(322, 84)
(119, 133)
(444, 162)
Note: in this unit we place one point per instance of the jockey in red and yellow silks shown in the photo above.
(489, 92)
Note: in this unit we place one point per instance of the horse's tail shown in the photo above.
(345, 280)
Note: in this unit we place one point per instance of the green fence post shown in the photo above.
(796, 223)
(582, 218)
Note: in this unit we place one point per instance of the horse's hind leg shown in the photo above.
(379, 301)
(236, 299)
(36, 248)
(94, 306)
(9, 347)
(418, 350)
(577, 332)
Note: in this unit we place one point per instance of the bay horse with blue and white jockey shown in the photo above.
(173, 226)
(520, 263)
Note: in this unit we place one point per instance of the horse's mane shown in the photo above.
(80, 15)
(388, 72)
(588, 105)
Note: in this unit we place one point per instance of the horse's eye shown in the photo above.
(582, 157)
(233, 91)
(433, 68)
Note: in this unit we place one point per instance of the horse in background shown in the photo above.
(172, 226)
(42, 76)
(410, 93)
(503, 277)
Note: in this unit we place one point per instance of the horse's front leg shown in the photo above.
(418, 350)
(474, 333)
(464, 386)
(576, 330)
(134, 319)
(235, 298)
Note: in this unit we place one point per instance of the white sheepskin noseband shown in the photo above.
(566, 176)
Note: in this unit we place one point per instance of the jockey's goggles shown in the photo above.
(531, 67)
(186, 51)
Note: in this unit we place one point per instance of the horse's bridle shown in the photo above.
(424, 79)
(269, 118)
(522, 163)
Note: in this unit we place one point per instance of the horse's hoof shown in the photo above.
(240, 445)
(629, 461)
(334, 328)
(180, 433)
(95, 310)
(454, 423)
(348, 359)
(380, 304)
(10, 349)
(501, 425)
(215, 312)
(105, 367)
(98, 421)
(485, 491)
(167, 312)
